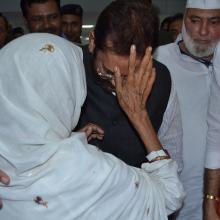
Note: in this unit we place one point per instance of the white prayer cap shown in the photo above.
(203, 4)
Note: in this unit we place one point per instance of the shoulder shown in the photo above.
(164, 50)
(160, 67)
(162, 71)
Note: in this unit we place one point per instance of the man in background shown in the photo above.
(72, 16)
(175, 25)
(42, 15)
(189, 60)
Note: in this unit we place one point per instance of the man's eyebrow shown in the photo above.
(201, 17)
(215, 17)
(45, 15)
(195, 16)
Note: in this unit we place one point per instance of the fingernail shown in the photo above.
(149, 49)
(5, 180)
(133, 47)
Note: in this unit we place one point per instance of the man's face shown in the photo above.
(3, 32)
(105, 62)
(175, 28)
(72, 27)
(201, 31)
(44, 17)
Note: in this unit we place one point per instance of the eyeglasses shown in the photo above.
(105, 76)
(104, 73)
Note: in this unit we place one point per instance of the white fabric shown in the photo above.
(170, 133)
(192, 82)
(213, 136)
(41, 93)
(203, 4)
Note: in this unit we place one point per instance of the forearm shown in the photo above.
(212, 182)
(212, 188)
(144, 128)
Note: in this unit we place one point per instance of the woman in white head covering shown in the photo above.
(54, 173)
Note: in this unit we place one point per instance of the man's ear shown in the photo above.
(91, 41)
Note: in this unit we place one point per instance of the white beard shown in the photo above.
(197, 49)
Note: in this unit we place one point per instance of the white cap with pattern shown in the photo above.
(203, 4)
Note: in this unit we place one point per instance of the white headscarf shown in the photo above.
(56, 175)
(42, 89)
(203, 4)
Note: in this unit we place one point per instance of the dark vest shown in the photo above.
(102, 108)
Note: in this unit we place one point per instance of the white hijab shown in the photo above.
(41, 93)
(55, 174)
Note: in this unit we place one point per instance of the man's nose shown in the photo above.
(204, 28)
(69, 28)
(46, 23)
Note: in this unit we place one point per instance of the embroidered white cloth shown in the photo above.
(56, 174)
(213, 140)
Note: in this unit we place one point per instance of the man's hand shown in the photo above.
(5, 180)
(93, 131)
(133, 91)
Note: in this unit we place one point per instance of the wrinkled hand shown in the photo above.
(5, 180)
(133, 91)
(93, 131)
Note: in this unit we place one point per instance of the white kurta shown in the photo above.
(55, 174)
(192, 83)
(213, 119)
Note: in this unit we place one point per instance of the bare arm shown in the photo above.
(212, 187)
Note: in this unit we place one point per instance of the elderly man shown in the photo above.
(115, 30)
(212, 171)
(189, 60)
(42, 15)
(72, 15)
(3, 30)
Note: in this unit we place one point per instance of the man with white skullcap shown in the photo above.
(189, 60)
(212, 164)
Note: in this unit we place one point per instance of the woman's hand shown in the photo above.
(92, 131)
(5, 180)
(133, 91)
